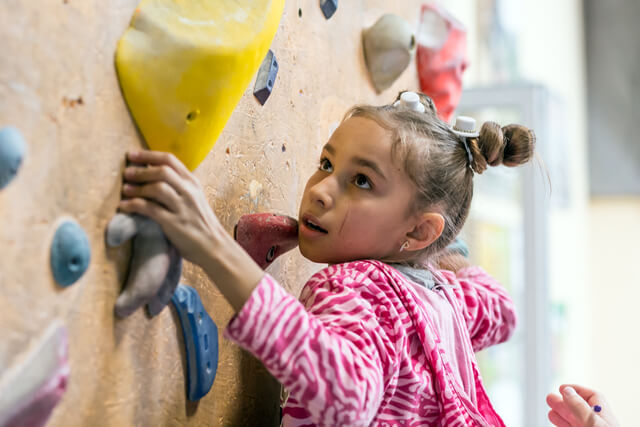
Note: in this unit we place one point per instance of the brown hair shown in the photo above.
(436, 160)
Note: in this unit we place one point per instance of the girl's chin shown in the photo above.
(314, 256)
(318, 256)
(321, 257)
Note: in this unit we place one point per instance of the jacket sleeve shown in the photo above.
(328, 349)
(487, 308)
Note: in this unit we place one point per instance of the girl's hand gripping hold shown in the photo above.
(159, 186)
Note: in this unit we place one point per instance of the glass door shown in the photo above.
(507, 235)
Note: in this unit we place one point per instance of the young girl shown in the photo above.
(380, 336)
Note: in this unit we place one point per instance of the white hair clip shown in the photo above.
(410, 100)
(465, 127)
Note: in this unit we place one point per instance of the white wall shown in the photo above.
(615, 287)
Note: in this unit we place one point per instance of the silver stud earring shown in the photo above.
(404, 246)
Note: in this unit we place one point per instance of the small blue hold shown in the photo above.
(328, 7)
(200, 339)
(12, 149)
(459, 246)
(70, 253)
(266, 77)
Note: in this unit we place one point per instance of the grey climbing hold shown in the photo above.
(12, 149)
(266, 77)
(388, 47)
(155, 265)
(70, 253)
(328, 7)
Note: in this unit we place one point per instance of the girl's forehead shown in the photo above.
(361, 140)
(361, 133)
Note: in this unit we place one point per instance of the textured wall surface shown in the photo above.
(58, 86)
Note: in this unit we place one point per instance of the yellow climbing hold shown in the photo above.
(183, 66)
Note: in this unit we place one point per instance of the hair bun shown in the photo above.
(511, 145)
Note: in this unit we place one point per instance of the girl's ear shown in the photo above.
(427, 230)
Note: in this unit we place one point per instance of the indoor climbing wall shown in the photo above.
(65, 128)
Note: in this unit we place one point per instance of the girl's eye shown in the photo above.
(361, 181)
(325, 165)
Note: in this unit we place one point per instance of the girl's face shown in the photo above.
(357, 204)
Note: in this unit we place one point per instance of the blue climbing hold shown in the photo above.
(12, 149)
(460, 247)
(201, 341)
(266, 77)
(328, 7)
(70, 253)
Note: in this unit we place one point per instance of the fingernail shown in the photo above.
(132, 155)
(126, 187)
(129, 172)
(569, 390)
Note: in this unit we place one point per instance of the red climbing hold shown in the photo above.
(266, 236)
(441, 58)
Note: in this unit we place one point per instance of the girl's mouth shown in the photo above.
(310, 224)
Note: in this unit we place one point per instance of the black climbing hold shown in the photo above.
(266, 77)
(70, 253)
(200, 339)
(328, 7)
(12, 149)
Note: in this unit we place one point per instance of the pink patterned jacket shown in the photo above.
(366, 346)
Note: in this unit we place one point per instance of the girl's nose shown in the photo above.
(322, 192)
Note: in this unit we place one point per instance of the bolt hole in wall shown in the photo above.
(192, 115)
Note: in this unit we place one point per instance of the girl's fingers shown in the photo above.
(579, 407)
(558, 406)
(591, 396)
(557, 420)
(159, 158)
(148, 174)
(147, 208)
(159, 192)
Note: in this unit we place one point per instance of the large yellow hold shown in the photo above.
(183, 66)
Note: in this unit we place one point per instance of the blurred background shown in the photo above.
(562, 233)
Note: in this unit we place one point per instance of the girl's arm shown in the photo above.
(486, 306)
(332, 359)
(332, 356)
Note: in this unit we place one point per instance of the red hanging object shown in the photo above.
(441, 58)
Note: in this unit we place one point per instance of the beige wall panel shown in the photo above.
(58, 86)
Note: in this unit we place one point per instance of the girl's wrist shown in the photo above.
(231, 269)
